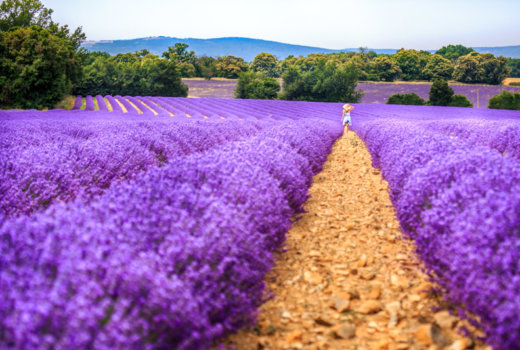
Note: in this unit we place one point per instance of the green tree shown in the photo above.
(230, 66)
(267, 64)
(27, 13)
(440, 93)
(411, 62)
(36, 68)
(327, 82)
(206, 67)
(184, 59)
(438, 67)
(406, 99)
(253, 85)
(514, 66)
(131, 74)
(453, 52)
(386, 68)
(505, 100)
(481, 68)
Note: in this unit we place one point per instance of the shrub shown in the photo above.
(505, 100)
(256, 86)
(459, 100)
(440, 93)
(515, 83)
(406, 99)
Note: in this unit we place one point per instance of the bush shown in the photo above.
(252, 85)
(515, 83)
(406, 99)
(440, 93)
(326, 83)
(505, 100)
(460, 101)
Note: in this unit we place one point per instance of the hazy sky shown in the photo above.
(333, 24)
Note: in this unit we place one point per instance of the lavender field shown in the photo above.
(153, 225)
(148, 230)
(478, 95)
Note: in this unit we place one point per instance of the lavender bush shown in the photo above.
(172, 257)
(455, 184)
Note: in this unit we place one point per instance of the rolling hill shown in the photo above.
(246, 48)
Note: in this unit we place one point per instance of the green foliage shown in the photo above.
(515, 83)
(327, 82)
(184, 59)
(452, 52)
(386, 68)
(459, 100)
(267, 64)
(230, 66)
(27, 13)
(440, 93)
(253, 85)
(406, 99)
(514, 65)
(412, 63)
(505, 100)
(481, 68)
(36, 68)
(131, 74)
(437, 67)
(205, 67)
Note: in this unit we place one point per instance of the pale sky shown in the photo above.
(332, 24)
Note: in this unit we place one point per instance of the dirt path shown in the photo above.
(348, 280)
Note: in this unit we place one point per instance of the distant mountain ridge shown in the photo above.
(246, 48)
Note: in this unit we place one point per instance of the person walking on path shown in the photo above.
(345, 117)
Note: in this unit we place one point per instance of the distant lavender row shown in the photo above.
(216, 108)
(54, 156)
(460, 202)
(479, 95)
(172, 259)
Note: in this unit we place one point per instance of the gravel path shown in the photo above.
(348, 280)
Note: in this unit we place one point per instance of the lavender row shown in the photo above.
(172, 259)
(55, 156)
(226, 108)
(461, 205)
(503, 135)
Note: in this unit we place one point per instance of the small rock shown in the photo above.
(444, 319)
(293, 337)
(414, 298)
(381, 345)
(286, 314)
(325, 320)
(375, 293)
(314, 253)
(370, 307)
(398, 282)
(393, 309)
(346, 331)
(368, 275)
(362, 262)
(311, 277)
(354, 293)
(423, 334)
(340, 304)
(461, 344)
(431, 334)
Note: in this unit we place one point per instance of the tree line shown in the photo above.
(41, 61)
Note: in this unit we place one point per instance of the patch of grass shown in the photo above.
(66, 103)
